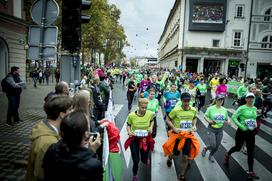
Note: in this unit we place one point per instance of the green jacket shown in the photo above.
(42, 137)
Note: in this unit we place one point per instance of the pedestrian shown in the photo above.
(40, 77)
(74, 157)
(216, 116)
(139, 127)
(131, 91)
(245, 118)
(13, 92)
(57, 75)
(46, 133)
(34, 75)
(47, 75)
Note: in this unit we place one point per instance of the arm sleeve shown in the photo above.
(235, 117)
(172, 114)
(12, 83)
(129, 120)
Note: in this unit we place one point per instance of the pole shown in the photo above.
(248, 39)
(41, 46)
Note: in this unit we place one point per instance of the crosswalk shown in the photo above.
(217, 171)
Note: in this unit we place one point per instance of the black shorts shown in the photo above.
(185, 150)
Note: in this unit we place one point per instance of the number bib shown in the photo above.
(251, 124)
(219, 118)
(186, 125)
(140, 133)
(173, 103)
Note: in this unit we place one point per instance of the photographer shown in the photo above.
(74, 156)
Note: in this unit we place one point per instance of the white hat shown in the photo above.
(250, 95)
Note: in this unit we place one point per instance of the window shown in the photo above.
(17, 8)
(215, 43)
(268, 13)
(267, 42)
(237, 38)
(239, 11)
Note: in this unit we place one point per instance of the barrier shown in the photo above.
(111, 161)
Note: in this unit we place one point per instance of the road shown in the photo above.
(14, 143)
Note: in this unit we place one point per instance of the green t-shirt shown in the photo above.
(219, 115)
(138, 122)
(247, 117)
(202, 88)
(178, 115)
(153, 105)
(162, 85)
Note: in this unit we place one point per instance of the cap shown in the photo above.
(185, 95)
(250, 94)
(219, 96)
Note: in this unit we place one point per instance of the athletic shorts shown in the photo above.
(185, 150)
(213, 94)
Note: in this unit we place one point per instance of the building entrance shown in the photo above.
(191, 64)
(264, 70)
(211, 66)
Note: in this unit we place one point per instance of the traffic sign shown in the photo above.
(50, 35)
(49, 53)
(51, 11)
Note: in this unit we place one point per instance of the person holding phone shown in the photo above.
(74, 156)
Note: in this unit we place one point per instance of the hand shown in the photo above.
(229, 123)
(212, 122)
(94, 145)
(130, 134)
(105, 124)
(177, 130)
(193, 129)
(149, 130)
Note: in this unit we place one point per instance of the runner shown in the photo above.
(153, 106)
(213, 84)
(245, 119)
(202, 90)
(182, 120)
(216, 116)
(131, 91)
(139, 125)
(192, 92)
(171, 98)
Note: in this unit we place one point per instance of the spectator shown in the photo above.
(46, 133)
(47, 75)
(61, 88)
(57, 75)
(70, 159)
(13, 92)
(99, 106)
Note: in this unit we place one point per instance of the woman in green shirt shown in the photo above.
(245, 119)
(201, 93)
(216, 116)
(139, 123)
(153, 106)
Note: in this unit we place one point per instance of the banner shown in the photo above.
(233, 87)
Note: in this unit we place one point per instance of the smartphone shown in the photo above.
(92, 134)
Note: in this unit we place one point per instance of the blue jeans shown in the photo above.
(13, 106)
(34, 81)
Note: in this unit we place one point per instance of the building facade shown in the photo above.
(12, 37)
(211, 36)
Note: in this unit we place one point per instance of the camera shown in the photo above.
(94, 135)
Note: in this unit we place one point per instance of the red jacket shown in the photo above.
(113, 135)
(144, 142)
(168, 146)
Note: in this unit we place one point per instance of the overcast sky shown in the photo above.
(143, 21)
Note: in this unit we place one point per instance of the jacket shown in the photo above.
(75, 165)
(144, 143)
(14, 87)
(168, 146)
(42, 137)
(114, 136)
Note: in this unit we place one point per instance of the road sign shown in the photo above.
(49, 53)
(51, 11)
(50, 35)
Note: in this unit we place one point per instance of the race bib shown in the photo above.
(219, 118)
(173, 103)
(186, 125)
(140, 133)
(251, 124)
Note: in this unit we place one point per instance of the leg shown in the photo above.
(11, 107)
(154, 131)
(211, 139)
(185, 156)
(134, 148)
(250, 144)
(218, 136)
(239, 141)
(17, 104)
(144, 156)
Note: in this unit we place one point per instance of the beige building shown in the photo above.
(204, 36)
(12, 37)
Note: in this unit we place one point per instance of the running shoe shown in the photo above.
(204, 151)
(211, 158)
(252, 175)
(244, 150)
(169, 162)
(135, 178)
(181, 177)
(227, 157)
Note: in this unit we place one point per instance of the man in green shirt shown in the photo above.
(182, 119)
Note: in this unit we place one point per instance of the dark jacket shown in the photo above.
(98, 101)
(14, 87)
(79, 164)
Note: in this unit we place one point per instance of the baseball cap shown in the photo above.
(185, 96)
(219, 96)
(250, 94)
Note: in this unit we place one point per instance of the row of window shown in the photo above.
(240, 9)
(238, 37)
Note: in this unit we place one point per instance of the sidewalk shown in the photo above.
(14, 141)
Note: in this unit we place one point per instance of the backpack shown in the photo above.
(4, 84)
